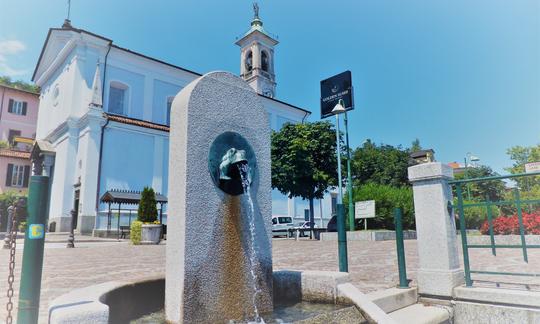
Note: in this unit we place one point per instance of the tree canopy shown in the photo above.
(520, 155)
(147, 212)
(6, 80)
(380, 164)
(304, 159)
(494, 189)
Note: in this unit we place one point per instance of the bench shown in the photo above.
(124, 230)
(301, 231)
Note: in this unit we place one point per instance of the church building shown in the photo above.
(103, 123)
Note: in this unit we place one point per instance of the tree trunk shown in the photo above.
(311, 218)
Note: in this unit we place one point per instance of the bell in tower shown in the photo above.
(257, 57)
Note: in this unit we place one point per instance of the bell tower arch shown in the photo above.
(257, 57)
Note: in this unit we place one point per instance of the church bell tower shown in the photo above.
(257, 57)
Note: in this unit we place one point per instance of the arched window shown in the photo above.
(249, 61)
(264, 61)
(118, 98)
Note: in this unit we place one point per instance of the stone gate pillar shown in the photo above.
(439, 270)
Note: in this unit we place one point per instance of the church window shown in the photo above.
(249, 61)
(264, 61)
(117, 98)
(169, 105)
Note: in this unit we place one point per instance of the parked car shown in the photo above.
(281, 225)
(307, 224)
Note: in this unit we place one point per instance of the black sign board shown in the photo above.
(332, 89)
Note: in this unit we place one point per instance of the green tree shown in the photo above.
(493, 189)
(6, 80)
(380, 164)
(147, 212)
(520, 155)
(304, 160)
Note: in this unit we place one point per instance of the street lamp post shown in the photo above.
(336, 98)
(342, 233)
(349, 177)
(471, 158)
(467, 177)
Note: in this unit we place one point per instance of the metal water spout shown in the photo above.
(227, 168)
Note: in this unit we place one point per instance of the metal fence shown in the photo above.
(517, 202)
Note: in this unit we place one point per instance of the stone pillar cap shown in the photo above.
(430, 171)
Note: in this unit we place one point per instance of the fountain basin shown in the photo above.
(122, 302)
(297, 313)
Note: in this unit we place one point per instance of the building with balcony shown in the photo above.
(18, 119)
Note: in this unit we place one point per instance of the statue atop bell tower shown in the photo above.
(257, 57)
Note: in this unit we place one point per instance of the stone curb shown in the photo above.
(372, 312)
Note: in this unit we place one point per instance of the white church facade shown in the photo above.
(104, 115)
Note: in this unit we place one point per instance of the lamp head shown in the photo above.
(339, 108)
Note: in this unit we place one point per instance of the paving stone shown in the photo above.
(372, 265)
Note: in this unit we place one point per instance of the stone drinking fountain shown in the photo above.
(219, 236)
(220, 225)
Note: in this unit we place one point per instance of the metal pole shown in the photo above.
(71, 238)
(32, 263)
(342, 232)
(349, 177)
(161, 213)
(521, 228)
(118, 224)
(403, 282)
(7, 239)
(320, 209)
(340, 181)
(467, 177)
(463, 230)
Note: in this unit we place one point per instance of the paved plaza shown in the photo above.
(372, 265)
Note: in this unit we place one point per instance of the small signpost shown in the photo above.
(336, 99)
(364, 210)
(333, 89)
(532, 167)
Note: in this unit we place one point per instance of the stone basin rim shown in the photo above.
(91, 304)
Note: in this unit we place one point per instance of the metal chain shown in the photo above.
(11, 276)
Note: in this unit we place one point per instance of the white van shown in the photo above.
(280, 225)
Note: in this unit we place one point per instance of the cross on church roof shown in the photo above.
(67, 22)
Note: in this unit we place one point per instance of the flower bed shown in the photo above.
(507, 225)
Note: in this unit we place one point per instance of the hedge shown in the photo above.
(387, 198)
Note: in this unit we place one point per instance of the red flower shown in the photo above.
(505, 225)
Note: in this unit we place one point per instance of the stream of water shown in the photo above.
(243, 168)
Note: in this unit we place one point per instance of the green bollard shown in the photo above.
(403, 282)
(342, 239)
(32, 263)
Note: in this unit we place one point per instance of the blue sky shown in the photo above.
(462, 76)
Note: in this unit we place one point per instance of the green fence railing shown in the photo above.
(517, 202)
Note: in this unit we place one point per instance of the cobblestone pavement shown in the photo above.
(372, 265)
